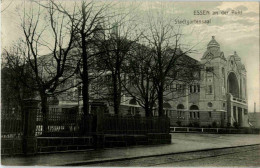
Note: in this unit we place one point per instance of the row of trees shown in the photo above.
(90, 38)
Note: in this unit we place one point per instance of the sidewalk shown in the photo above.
(181, 142)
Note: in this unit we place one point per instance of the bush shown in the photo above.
(214, 124)
(209, 126)
(190, 125)
(179, 123)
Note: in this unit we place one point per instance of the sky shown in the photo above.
(234, 32)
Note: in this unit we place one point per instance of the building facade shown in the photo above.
(218, 98)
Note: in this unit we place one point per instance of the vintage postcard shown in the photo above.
(130, 83)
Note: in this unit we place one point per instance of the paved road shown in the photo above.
(240, 156)
(181, 142)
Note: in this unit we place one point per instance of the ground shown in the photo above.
(241, 156)
(182, 152)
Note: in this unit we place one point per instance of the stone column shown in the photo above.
(229, 109)
(243, 118)
(237, 114)
(29, 127)
(98, 110)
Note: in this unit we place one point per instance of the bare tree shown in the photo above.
(115, 51)
(46, 29)
(140, 84)
(88, 25)
(164, 39)
(14, 73)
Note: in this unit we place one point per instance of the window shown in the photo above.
(180, 113)
(210, 104)
(198, 88)
(209, 69)
(133, 110)
(190, 114)
(79, 91)
(210, 114)
(194, 88)
(210, 89)
(198, 114)
(180, 88)
(171, 87)
(194, 115)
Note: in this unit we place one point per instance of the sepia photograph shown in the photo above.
(133, 83)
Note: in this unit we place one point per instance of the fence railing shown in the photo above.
(135, 125)
(11, 124)
(64, 124)
(216, 130)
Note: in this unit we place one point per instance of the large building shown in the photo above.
(218, 98)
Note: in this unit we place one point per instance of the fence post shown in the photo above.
(29, 126)
(98, 109)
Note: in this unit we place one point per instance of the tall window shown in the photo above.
(210, 90)
(195, 89)
(210, 114)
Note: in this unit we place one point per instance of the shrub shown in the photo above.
(190, 125)
(209, 126)
(179, 123)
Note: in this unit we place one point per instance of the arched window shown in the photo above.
(180, 113)
(133, 101)
(233, 86)
(194, 107)
(223, 76)
(166, 107)
(193, 113)
(180, 106)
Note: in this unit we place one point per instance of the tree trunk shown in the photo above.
(45, 111)
(115, 96)
(85, 88)
(160, 100)
(85, 94)
(147, 108)
(85, 77)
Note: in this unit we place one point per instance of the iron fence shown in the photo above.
(66, 122)
(135, 125)
(11, 124)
